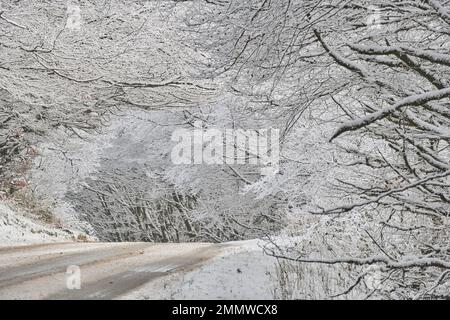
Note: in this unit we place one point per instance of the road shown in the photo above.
(106, 270)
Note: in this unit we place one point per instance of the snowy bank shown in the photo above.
(16, 228)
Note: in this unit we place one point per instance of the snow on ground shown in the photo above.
(241, 271)
(16, 228)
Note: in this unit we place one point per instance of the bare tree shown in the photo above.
(383, 65)
(65, 66)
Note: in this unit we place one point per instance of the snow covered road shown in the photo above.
(107, 270)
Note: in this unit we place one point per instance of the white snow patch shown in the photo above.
(241, 271)
(15, 228)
